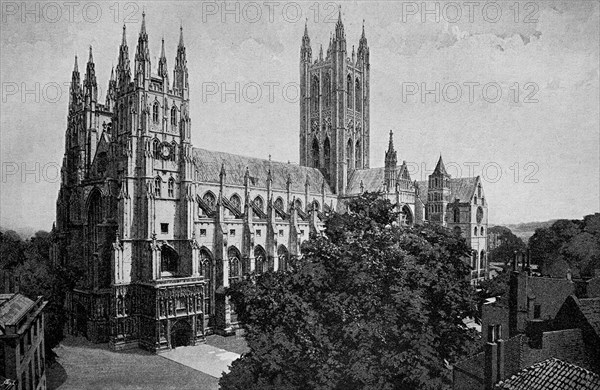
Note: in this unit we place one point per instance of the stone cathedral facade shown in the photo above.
(161, 227)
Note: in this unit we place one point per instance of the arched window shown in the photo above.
(482, 260)
(171, 188)
(205, 268)
(235, 266)
(155, 112)
(358, 96)
(94, 217)
(475, 231)
(349, 87)
(315, 153)
(349, 154)
(173, 151)
(315, 93)
(357, 152)
(479, 190)
(298, 204)
(327, 89)
(482, 231)
(407, 216)
(259, 204)
(174, 116)
(283, 258)
(168, 261)
(456, 215)
(327, 155)
(316, 205)
(260, 260)
(279, 204)
(156, 148)
(209, 198)
(157, 187)
(474, 260)
(236, 202)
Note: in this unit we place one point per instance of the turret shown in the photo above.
(142, 56)
(306, 50)
(123, 68)
(90, 86)
(162, 66)
(391, 162)
(180, 73)
(111, 94)
(363, 47)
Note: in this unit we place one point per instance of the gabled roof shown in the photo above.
(590, 308)
(209, 163)
(440, 169)
(552, 374)
(461, 189)
(12, 309)
(372, 180)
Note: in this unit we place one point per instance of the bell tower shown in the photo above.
(334, 107)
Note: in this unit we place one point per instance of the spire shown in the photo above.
(305, 50)
(440, 169)
(363, 48)
(162, 62)
(321, 53)
(339, 26)
(112, 74)
(123, 69)
(142, 56)
(180, 72)
(91, 58)
(143, 30)
(391, 155)
(75, 94)
(90, 87)
(76, 67)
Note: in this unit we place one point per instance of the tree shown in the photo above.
(568, 245)
(509, 243)
(369, 305)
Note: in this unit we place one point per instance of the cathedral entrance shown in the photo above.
(181, 334)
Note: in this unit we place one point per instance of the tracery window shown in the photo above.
(315, 94)
(349, 87)
(235, 267)
(236, 201)
(155, 112)
(260, 260)
(171, 187)
(315, 153)
(283, 258)
(357, 94)
(358, 163)
(174, 116)
(327, 89)
(205, 268)
(349, 154)
(157, 187)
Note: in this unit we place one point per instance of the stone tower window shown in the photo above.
(157, 187)
(358, 163)
(260, 260)
(315, 154)
(155, 112)
(171, 187)
(298, 204)
(156, 148)
(314, 92)
(456, 215)
(258, 203)
(174, 116)
(358, 96)
(349, 86)
(327, 90)
(349, 154)
(327, 155)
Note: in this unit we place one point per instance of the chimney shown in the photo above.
(494, 354)
(514, 264)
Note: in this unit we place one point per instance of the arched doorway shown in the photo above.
(181, 334)
(169, 259)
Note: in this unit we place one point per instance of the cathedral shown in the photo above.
(162, 228)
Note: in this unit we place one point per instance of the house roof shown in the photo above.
(590, 308)
(209, 164)
(12, 308)
(552, 374)
(461, 189)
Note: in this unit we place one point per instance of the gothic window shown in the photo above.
(174, 117)
(155, 112)
(298, 204)
(314, 93)
(482, 260)
(456, 215)
(279, 204)
(283, 258)
(168, 261)
(94, 218)
(479, 215)
(482, 231)
(316, 205)
(357, 94)
(258, 203)
(349, 87)
(479, 190)
(171, 188)
(205, 268)
(358, 163)
(157, 187)
(260, 260)
(236, 201)
(474, 260)
(235, 266)
(173, 150)
(315, 153)
(156, 148)
(406, 215)
(349, 154)
(475, 231)
(327, 155)
(327, 89)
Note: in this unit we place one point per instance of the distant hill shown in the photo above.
(24, 232)
(525, 230)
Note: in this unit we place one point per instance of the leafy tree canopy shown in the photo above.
(369, 305)
(509, 243)
(568, 244)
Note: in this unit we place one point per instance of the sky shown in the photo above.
(505, 90)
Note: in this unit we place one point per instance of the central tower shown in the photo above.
(334, 108)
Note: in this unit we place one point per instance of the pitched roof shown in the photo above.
(590, 308)
(371, 179)
(461, 188)
(440, 168)
(209, 165)
(552, 374)
(12, 308)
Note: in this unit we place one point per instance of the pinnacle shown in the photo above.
(91, 58)
(124, 40)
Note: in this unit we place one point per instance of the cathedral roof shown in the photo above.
(209, 165)
(461, 189)
(362, 180)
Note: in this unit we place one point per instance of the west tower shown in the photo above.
(334, 107)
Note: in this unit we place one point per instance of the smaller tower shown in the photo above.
(111, 94)
(391, 161)
(162, 67)
(180, 73)
(123, 68)
(90, 86)
(75, 93)
(438, 194)
(142, 57)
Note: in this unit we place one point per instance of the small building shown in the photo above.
(22, 353)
